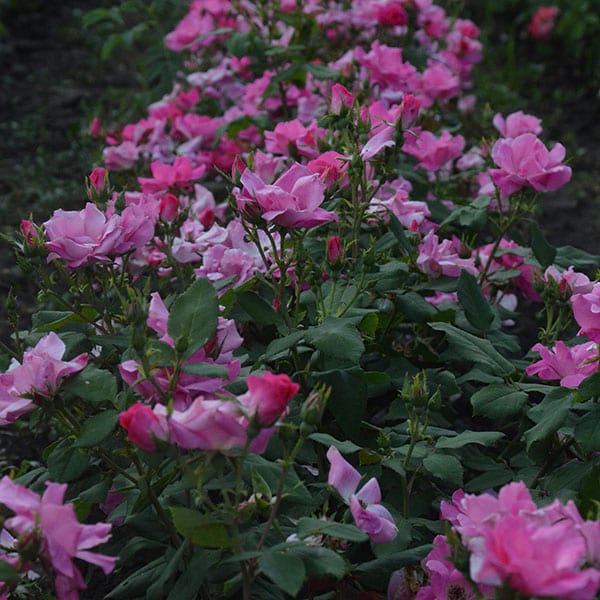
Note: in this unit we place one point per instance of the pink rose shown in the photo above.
(267, 397)
(571, 365)
(524, 161)
(98, 178)
(369, 514)
(516, 124)
(64, 538)
(586, 310)
(542, 22)
(293, 200)
(144, 426)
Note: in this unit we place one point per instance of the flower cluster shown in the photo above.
(541, 552)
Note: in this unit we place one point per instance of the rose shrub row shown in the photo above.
(299, 254)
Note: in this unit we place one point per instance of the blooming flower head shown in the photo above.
(441, 258)
(293, 200)
(571, 365)
(61, 537)
(516, 124)
(369, 514)
(586, 310)
(40, 372)
(542, 22)
(524, 161)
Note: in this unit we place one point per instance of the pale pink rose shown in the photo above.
(64, 538)
(445, 580)
(542, 22)
(209, 424)
(535, 560)
(386, 68)
(121, 157)
(441, 258)
(293, 200)
(164, 176)
(293, 134)
(433, 153)
(524, 161)
(438, 82)
(571, 365)
(586, 310)
(433, 20)
(516, 124)
(569, 281)
(144, 426)
(369, 514)
(81, 237)
(41, 372)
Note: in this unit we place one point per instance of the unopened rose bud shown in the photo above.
(98, 178)
(29, 233)
(207, 217)
(314, 406)
(340, 98)
(95, 127)
(410, 110)
(335, 251)
(169, 206)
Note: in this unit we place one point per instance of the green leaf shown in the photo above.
(156, 590)
(190, 582)
(308, 526)
(284, 569)
(96, 428)
(568, 255)
(206, 370)
(467, 347)
(477, 308)
(542, 250)
(587, 430)
(483, 438)
(66, 463)
(259, 309)
(139, 581)
(444, 466)
(321, 71)
(319, 561)
(282, 345)
(589, 387)
(497, 401)
(203, 530)
(548, 415)
(53, 320)
(8, 574)
(338, 338)
(193, 316)
(415, 308)
(93, 385)
(399, 233)
(490, 479)
(345, 447)
(348, 399)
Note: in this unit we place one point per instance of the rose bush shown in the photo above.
(309, 273)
